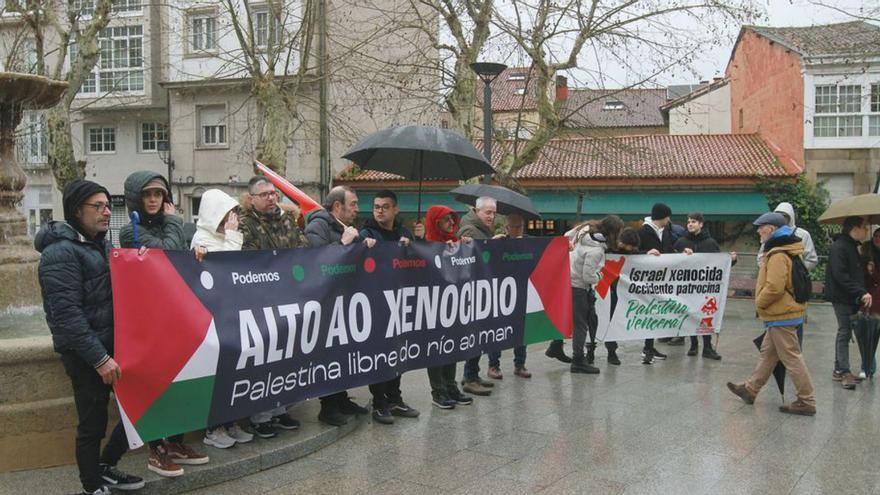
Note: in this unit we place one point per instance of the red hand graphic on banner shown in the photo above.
(610, 274)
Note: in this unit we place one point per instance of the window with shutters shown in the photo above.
(212, 126)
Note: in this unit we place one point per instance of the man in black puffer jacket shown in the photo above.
(77, 298)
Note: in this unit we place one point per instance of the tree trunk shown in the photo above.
(64, 166)
(275, 134)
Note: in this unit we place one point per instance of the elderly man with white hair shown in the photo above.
(479, 224)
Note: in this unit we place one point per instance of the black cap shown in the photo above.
(75, 193)
(773, 218)
(660, 211)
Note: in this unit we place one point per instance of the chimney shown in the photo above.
(561, 88)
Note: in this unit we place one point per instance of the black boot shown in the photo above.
(555, 351)
(709, 353)
(692, 351)
(612, 358)
(591, 353)
(579, 365)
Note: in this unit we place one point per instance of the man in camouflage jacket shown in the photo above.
(267, 226)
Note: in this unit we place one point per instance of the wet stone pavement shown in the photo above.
(668, 428)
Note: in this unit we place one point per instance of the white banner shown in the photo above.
(670, 295)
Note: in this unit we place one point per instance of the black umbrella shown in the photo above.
(779, 370)
(866, 328)
(508, 201)
(417, 153)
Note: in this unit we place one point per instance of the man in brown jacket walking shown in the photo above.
(781, 314)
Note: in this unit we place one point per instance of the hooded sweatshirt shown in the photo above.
(587, 258)
(372, 230)
(214, 206)
(774, 291)
(154, 231)
(473, 227)
(811, 259)
(432, 217)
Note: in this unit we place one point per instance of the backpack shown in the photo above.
(800, 279)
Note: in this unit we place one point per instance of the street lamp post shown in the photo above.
(163, 148)
(487, 72)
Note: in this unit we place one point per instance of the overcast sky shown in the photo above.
(782, 13)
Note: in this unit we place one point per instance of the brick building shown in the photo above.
(813, 93)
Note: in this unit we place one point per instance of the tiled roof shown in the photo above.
(505, 89)
(603, 108)
(847, 38)
(641, 157)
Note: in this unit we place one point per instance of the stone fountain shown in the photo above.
(18, 260)
(36, 407)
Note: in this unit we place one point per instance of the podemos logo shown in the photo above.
(517, 256)
(335, 269)
(404, 263)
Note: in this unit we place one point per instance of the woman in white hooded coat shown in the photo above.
(589, 241)
(217, 230)
(217, 227)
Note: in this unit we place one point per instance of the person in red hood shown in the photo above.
(441, 223)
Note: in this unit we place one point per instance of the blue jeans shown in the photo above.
(519, 357)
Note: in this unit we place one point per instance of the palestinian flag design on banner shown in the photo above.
(168, 370)
(548, 301)
(204, 343)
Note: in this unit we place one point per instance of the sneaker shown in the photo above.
(799, 407)
(285, 422)
(522, 372)
(264, 430)
(476, 388)
(862, 376)
(837, 376)
(692, 351)
(351, 408)
(383, 416)
(658, 355)
(181, 453)
(441, 402)
(218, 438)
(333, 418)
(495, 373)
(238, 434)
(161, 464)
(613, 359)
(849, 381)
(710, 353)
(676, 341)
(556, 351)
(461, 399)
(742, 392)
(119, 480)
(647, 356)
(100, 491)
(402, 410)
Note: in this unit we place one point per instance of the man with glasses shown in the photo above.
(385, 226)
(77, 298)
(266, 226)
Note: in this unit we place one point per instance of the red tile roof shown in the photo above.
(717, 156)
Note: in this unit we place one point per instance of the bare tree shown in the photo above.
(54, 25)
(556, 36)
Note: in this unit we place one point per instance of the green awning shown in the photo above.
(715, 205)
(630, 205)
